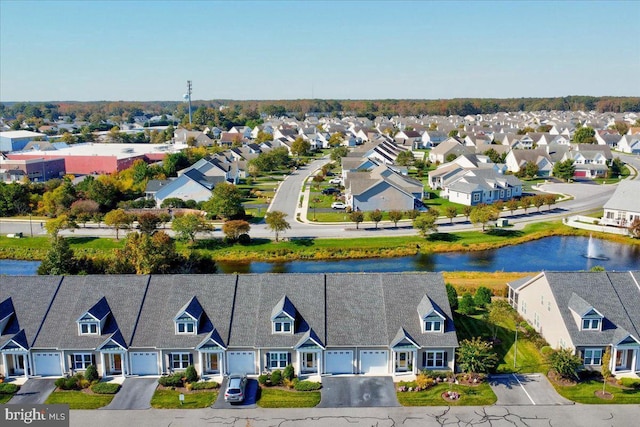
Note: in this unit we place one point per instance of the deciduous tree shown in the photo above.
(357, 217)
(395, 216)
(276, 222)
(376, 216)
(118, 219)
(564, 170)
(148, 222)
(187, 226)
(476, 356)
(234, 228)
(425, 224)
(225, 202)
(483, 214)
(584, 135)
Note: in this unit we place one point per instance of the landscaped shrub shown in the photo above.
(482, 296)
(105, 388)
(244, 239)
(276, 377)
(424, 381)
(629, 382)
(91, 373)
(190, 374)
(307, 386)
(205, 385)
(288, 372)
(174, 380)
(8, 388)
(262, 379)
(467, 305)
(83, 383)
(70, 383)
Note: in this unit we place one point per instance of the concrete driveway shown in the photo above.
(250, 396)
(34, 391)
(358, 392)
(520, 389)
(135, 393)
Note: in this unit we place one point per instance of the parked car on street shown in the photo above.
(338, 205)
(235, 388)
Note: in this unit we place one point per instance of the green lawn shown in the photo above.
(277, 398)
(584, 393)
(480, 395)
(170, 399)
(529, 359)
(4, 398)
(79, 399)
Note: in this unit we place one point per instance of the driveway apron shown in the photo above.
(34, 391)
(250, 396)
(135, 393)
(525, 389)
(358, 392)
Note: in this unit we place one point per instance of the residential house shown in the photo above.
(624, 205)
(432, 138)
(382, 188)
(409, 138)
(586, 312)
(629, 144)
(450, 147)
(191, 185)
(127, 325)
(517, 159)
(590, 160)
(475, 186)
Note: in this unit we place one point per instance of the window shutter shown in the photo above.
(267, 365)
(288, 358)
(424, 358)
(169, 364)
(93, 359)
(446, 359)
(190, 359)
(71, 364)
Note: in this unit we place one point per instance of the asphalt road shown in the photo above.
(251, 396)
(477, 416)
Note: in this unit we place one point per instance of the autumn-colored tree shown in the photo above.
(234, 228)
(276, 222)
(357, 217)
(118, 219)
(395, 216)
(376, 216)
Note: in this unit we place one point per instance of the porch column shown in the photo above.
(4, 365)
(104, 365)
(122, 364)
(414, 359)
(200, 363)
(634, 361)
(613, 360)
(300, 363)
(26, 365)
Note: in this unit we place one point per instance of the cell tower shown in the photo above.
(187, 97)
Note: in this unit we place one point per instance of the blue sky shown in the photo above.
(147, 50)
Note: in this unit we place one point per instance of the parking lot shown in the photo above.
(521, 389)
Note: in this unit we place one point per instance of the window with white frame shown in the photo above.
(281, 326)
(278, 360)
(592, 356)
(524, 307)
(435, 359)
(89, 328)
(536, 320)
(185, 327)
(433, 325)
(179, 361)
(476, 197)
(591, 324)
(81, 361)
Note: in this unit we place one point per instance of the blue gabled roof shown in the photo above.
(19, 339)
(6, 309)
(428, 306)
(117, 338)
(100, 309)
(284, 306)
(310, 335)
(192, 308)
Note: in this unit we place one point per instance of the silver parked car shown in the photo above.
(235, 388)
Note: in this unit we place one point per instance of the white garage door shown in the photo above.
(338, 362)
(242, 362)
(374, 362)
(47, 364)
(144, 363)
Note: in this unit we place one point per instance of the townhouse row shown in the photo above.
(379, 324)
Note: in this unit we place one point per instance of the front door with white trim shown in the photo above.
(310, 362)
(115, 363)
(212, 362)
(18, 364)
(403, 361)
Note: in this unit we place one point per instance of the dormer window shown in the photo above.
(282, 326)
(89, 328)
(187, 319)
(434, 325)
(591, 324)
(185, 327)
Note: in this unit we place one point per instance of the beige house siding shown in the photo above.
(538, 307)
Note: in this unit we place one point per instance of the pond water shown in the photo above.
(566, 253)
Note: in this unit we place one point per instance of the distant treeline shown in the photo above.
(251, 110)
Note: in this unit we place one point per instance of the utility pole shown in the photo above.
(189, 98)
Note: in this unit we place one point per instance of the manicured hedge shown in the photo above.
(105, 388)
(204, 385)
(8, 388)
(630, 382)
(174, 380)
(307, 386)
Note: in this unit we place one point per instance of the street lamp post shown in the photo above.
(30, 223)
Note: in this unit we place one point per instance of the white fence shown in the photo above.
(593, 224)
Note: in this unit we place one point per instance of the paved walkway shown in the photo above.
(34, 391)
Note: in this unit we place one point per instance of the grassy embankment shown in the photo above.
(34, 248)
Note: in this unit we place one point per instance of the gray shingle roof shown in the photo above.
(625, 198)
(77, 295)
(615, 295)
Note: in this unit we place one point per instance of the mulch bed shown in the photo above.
(446, 397)
(184, 390)
(603, 395)
(557, 379)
